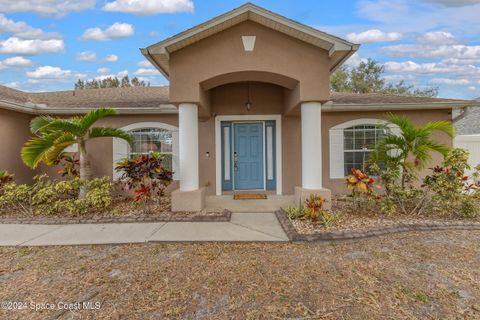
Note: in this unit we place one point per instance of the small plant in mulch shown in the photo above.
(147, 176)
(311, 210)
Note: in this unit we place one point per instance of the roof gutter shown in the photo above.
(35, 109)
(333, 107)
(150, 58)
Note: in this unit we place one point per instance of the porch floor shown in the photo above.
(271, 204)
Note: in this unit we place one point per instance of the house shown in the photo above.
(248, 108)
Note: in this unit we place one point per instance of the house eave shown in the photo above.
(334, 107)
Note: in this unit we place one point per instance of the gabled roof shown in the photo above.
(334, 45)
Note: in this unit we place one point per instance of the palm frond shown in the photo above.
(110, 132)
(35, 149)
(58, 147)
(44, 124)
(93, 116)
(443, 126)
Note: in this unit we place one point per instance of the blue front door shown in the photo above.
(248, 156)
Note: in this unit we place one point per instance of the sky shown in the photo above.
(46, 45)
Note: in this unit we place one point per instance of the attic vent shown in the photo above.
(248, 42)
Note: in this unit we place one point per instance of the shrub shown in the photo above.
(69, 165)
(451, 187)
(294, 212)
(47, 197)
(146, 175)
(313, 210)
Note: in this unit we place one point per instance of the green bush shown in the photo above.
(451, 188)
(48, 197)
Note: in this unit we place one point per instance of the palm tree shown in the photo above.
(412, 143)
(53, 135)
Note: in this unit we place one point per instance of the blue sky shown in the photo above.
(48, 44)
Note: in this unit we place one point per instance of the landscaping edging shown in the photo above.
(225, 216)
(293, 235)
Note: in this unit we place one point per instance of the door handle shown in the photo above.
(235, 161)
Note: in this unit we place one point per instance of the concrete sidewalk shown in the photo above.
(242, 227)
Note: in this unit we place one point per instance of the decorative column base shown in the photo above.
(301, 194)
(191, 201)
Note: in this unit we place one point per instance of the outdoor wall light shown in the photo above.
(249, 103)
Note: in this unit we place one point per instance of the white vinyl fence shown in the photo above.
(472, 144)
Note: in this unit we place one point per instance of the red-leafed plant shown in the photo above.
(359, 183)
(146, 176)
(69, 165)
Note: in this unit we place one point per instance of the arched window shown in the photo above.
(148, 140)
(148, 137)
(358, 143)
(352, 142)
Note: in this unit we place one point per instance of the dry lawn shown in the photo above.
(429, 275)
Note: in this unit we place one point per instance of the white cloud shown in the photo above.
(115, 31)
(144, 64)
(149, 7)
(46, 7)
(427, 51)
(355, 60)
(52, 74)
(22, 30)
(450, 81)
(453, 3)
(147, 72)
(430, 68)
(14, 85)
(119, 75)
(373, 35)
(472, 88)
(86, 56)
(103, 70)
(408, 16)
(15, 62)
(15, 45)
(111, 58)
(437, 38)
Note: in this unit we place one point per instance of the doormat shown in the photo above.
(251, 196)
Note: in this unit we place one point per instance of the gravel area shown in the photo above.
(428, 275)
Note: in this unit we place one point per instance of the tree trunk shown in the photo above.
(85, 170)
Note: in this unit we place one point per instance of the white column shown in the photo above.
(311, 145)
(188, 146)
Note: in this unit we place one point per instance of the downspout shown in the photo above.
(463, 113)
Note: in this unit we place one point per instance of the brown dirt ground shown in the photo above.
(428, 275)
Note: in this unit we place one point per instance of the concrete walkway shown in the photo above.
(242, 227)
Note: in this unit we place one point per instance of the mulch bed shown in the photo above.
(356, 225)
(122, 211)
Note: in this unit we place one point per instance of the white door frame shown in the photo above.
(218, 145)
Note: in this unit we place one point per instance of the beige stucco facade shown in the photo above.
(284, 78)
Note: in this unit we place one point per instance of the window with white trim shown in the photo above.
(146, 140)
(352, 142)
(358, 144)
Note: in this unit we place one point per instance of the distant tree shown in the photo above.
(110, 82)
(367, 77)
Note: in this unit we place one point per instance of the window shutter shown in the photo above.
(336, 154)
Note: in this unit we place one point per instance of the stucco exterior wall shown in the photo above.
(331, 119)
(274, 53)
(15, 131)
